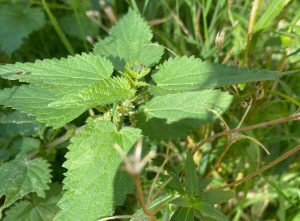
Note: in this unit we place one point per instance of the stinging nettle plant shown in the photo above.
(129, 92)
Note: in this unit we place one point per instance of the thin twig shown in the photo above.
(263, 168)
(140, 197)
(292, 117)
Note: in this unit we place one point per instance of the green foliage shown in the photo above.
(97, 105)
(184, 214)
(178, 114)
(202, 105)
(17, 23)
(104, 92)
(193, 201)
(191, 182)
(92, 175)
(23, 176)
(130, 41)
(63, 76)
(34, 100)
(17, 123)
(36, 209)
(271, 10)
(50, 80)
(189, 73)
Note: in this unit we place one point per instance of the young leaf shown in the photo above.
(17, 22)
(130, 41)
(34, 101)
(23, 176)
(191, 179)
(183, 214)
(103, 92)
(93, 172)
(189, 73)
(37, 209)
(210, 211)
(216, 196)
(199, 105)
(60, 77)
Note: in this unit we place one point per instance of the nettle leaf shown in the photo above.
(130, 42)
(23, 176)
(94, 172)
(176, 115)
(24, 144)
(183, 214)
(191, 178)
(203, 105)
(34, 101)
(17, 123)
(216, 196)
(17, 22)
(190, 73)
(37, 209)
(60, 76)
(50, 80)
(103, 92)
(166, 131)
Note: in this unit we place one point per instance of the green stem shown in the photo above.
(58, 29)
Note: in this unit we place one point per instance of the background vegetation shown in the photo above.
(254, 34)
